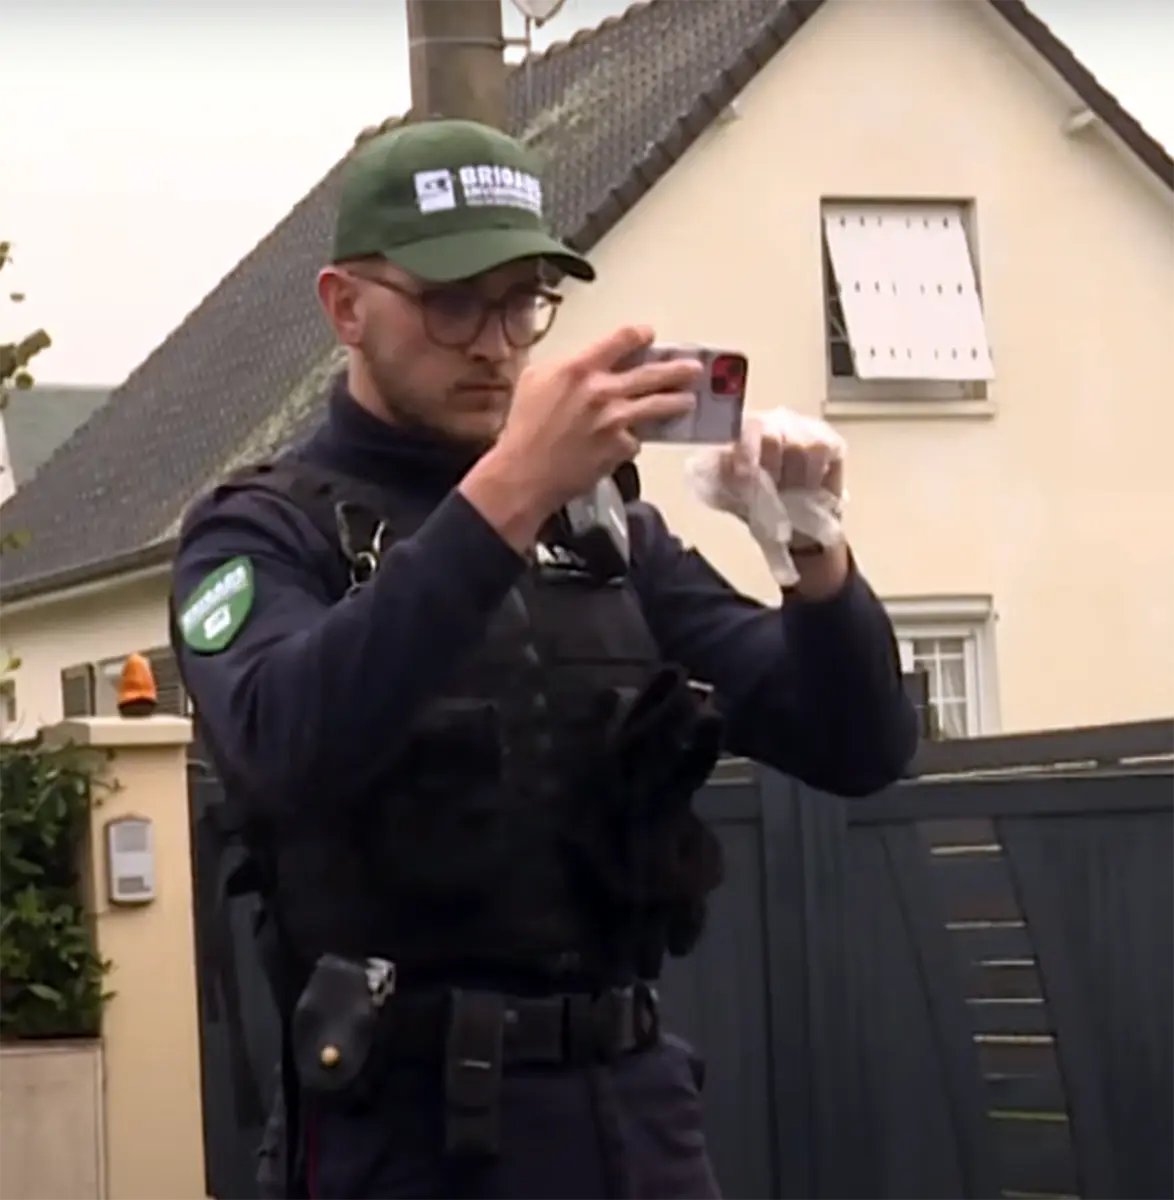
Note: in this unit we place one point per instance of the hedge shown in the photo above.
(51, 976)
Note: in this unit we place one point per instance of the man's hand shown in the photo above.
(800, 453)
(797, 452)
(810, 455)
(569, 426)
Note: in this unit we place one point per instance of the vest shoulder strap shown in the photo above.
(353, 515)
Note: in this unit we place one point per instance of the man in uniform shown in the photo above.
(464, 737)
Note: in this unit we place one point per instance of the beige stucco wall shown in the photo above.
(1061, 506)
(88, 625)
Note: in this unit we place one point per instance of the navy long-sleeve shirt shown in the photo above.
(306, 699)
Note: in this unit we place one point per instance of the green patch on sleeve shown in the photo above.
(218, 609)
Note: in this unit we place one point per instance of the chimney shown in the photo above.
(457, 54)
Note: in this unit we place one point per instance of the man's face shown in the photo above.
(445, 356)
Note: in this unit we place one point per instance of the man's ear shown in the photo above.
(339, 296)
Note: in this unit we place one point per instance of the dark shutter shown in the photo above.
(917, 689)
(172, 697)
(77, 691)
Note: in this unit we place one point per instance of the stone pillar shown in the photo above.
(154, 1135)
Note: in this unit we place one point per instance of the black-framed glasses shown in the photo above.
(455, 315)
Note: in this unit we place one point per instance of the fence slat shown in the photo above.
(1003, 979)
(1027, 1093)
(1036, 1156)
(1008, 1016)
(974, 889)
(983, 942)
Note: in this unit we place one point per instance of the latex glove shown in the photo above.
(784, 479)
(798, 453)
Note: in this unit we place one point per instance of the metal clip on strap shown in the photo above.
(360, 537)
(472, 1074)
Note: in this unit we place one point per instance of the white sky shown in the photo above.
(147, 145)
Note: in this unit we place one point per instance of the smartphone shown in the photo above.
(720, 392)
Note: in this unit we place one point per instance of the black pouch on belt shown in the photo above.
(336, 1028)
(472, 1074)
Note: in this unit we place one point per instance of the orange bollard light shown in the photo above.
(137, 693)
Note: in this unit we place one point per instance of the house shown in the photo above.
(35, 422)
(926, 221)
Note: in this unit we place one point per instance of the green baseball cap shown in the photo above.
(446, 200)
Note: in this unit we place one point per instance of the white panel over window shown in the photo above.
(908, 291)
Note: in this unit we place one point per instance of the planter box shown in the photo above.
(51, 1111)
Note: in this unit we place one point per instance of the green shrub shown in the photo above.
(51, 977)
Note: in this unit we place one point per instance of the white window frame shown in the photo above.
(970, 619)
(853, 397)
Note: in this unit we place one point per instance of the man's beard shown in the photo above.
(401, 408)
(408, 410)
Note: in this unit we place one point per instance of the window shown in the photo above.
(91, 689)
(951, 677)
(952, 641)
(902, 300)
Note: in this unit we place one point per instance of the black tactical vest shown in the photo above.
(515, 829)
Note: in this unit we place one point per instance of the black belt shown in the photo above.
(351, 1021)
(559, 1029)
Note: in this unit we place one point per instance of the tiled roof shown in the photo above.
(245, 371)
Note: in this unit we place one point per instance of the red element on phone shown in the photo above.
(727, 375)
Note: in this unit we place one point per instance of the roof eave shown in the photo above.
(1085, 84)
(101, 571)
